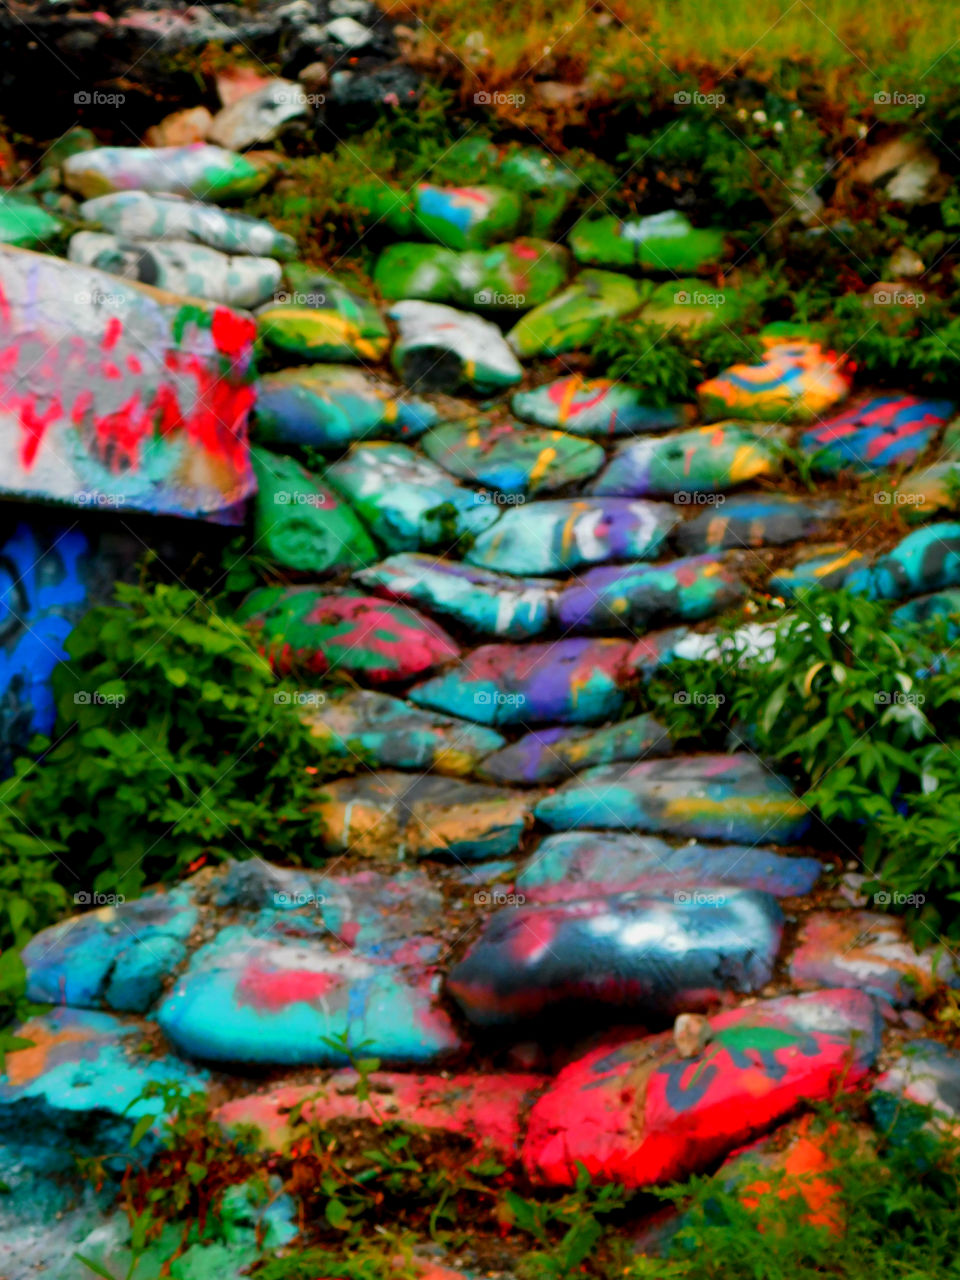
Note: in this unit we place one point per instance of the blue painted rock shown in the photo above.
(552, 755)
(411, 502)
(653, 955)
(199, 171)
(660, 242)
(871, 952)
(825, 567)
(487, 604)
(560, 535)
(300, 523)
(570, 681)
(395, 815)
(754, 521)
(324, 320)
(137, 215)
(927, 1074)
(794, 382)
(638, 596)
(305, 629)
(510, 457)
(640, 1114)
(572, 318)
(701, 460)
(507, 277)
(930, 609)
(193, 270)
(441, 349)
(926, 560)
(708, 797)
(596, 407)
(458, 217)
(329, 406)
(113, 958)
(388, 733)
(280, 1000)
(888, 431)
(583, 864)
(26, 224)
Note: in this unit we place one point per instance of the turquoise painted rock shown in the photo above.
(926, 560)
(411, 502)
(283, 999)
(25, 223)
(660, 242)
(931, 609)
(305, 629)
(794, 382)
(441, 349)
(487, 604)
(329, 406)
(595, 407)
(570, 681)
(639, 596)
(701, 460)
(554, 754)
(322, 319)
(751, 520)
(138, 215)
(823, 568)
(583, 864)
(495, 450)
(189, 269)
(927, 1074)
(457, 217)
(655, 954)
(300, 523)
(388, 733)
(115, 957)
(198, 171)
(507, 277)
(887, 431)
(705, 797)
(559, 536)
(571, 319)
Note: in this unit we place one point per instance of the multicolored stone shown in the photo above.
(660, 242)
(639, 596)
(508, 277)
(597, 407)
(752, 520)
(571, 318)
(199, 171)
(335, 323)
(138, 215)
(554, 754)
(824, 567)
(794, 382)
(926, 560)
(441, 349)
(888, 431)
(457, 217)
(513, 458)
(926, 1074)
(701, 460)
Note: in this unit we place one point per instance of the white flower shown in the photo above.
(778, 126)
(760, 117)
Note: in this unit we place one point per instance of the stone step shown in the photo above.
(560, 751)
(597, 407)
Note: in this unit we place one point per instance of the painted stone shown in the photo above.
(258, 117)
(689, 306)
(25, 223)
(869, 951)
(300, 523)
(199, 171)
(597, 407)
(548, 186)
(928, 609)
(506, 455)
(310, 630)
(660, 242)
(485, 1109)
(584, 864)
(571, 318)
(701, 460)
(926, 560)
(335, 323)
(457, 217)
(826, 567)
(488, 604)
(507, 277)
(192, 270)
(113, 958)
(441, 349)
(888, 431)
(794, 382)
(329, 406)
(754, 520)
(651, 954)
(639, 596)
(138, 215)
(553, 754)
(927, 1074)
(411, 502)
(930, 489)
(112, 393)
(388, 733)
(569, 681)
(395, 815)
(707, 797)
(290, 1001)
(639, 1114)
(559, 536)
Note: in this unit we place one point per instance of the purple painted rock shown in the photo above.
(650, 954)
(708, 797)
(701, 460)
(583, 864)
(510, 457)
(596, 407)
(754, 521)
(639, 595)
(572, 681)
(926, 1073)
(554, 754)
(869, 951)
(887, 431)
(305, 629)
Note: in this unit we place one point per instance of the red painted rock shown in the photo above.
(640, 1114)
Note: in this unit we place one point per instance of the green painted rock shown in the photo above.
(138, 215)
(572, 318)
(691, 305)
(458, 217)
(300, 524)
(507, 277)
(199, 171)
(548, 186)
(442, 349)
(510, 457)
(25, 224)
(701, 460)
(661, 242)
(321, 319)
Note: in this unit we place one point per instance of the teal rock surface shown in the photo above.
(554, 754)
(597, 407)
(138, 215)
(571, 318)
(639, 596)
(515, 459)
(660, 242)
(751, 520)
(927, 559)
(825, 568)
(441, 349)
